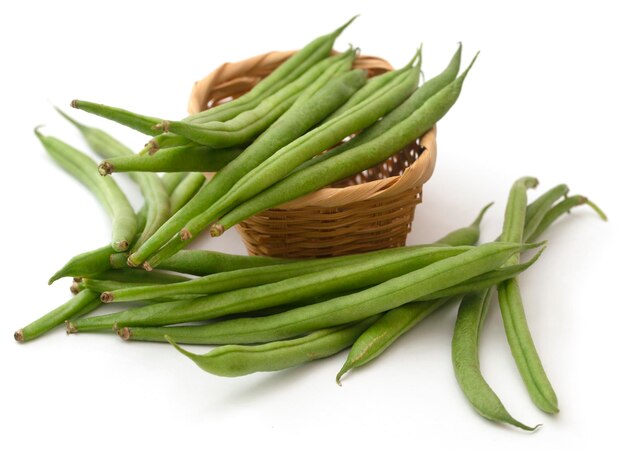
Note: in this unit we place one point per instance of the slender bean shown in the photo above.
(296, 121)
(513, 317)
(138, 276)
(374, 340)
(560, 209)
(123, 217)
(472, 312)
(188, 158)
(374, 85)
(56, 317)
(348, 163)
(281, 163)
(344, 309)
(186, 190)
(396, 322)
(304, 287)
(540, 207)
(237, 360)
(251, 277)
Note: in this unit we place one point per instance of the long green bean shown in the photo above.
(82, 167)
(237, 360)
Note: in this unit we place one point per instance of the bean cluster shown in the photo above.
(267, 314)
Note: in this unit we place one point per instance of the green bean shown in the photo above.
(186, 190)
(232, 280)
(138, 276)
(171, 181)
(85, 264)
(56, 317)
(348, 163)
(245, 127)
(386, 330)
(472, 312)
(396, 322)
(281, 163)
(513, 317)
(201, 262)
(189, 158)
(387, 295)
(540, 206)
(143, 124)
(560, 209)
(296, 121)
(333, 279)
(164, 141)
(123, 217)
(236, 360)
(402, 112)
(374, 85)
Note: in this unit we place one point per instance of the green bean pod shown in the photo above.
(123, 217)
(387, 295)
(350, 162)
(301, 288)
(296, 121)
(540, 207)
(472, 312)
(185, 191)
(396, 322)
(57, 316)
(560, 209)
(237, 360)
(513, 317)
(189, 158)
(141, 123)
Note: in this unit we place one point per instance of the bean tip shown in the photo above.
(162, 126)
(75, 288)
(185, 234)
(105, 168)
(74, 103)
(147, 266)
(120, 246)
(597, 209)
(107, 297)
(125, 333)
(19, 336)
(216, 230)
(70, 328)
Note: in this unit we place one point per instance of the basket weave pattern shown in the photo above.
(371, 210)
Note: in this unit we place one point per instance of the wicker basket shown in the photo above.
(371, 210)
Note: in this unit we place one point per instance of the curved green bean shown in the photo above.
(472, 312)
(57, 316)
(188, 158)
(123, 217)
(186, 190)
(560, 209)
(237, 360)
(348, 163)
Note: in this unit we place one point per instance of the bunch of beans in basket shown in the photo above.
(268, 314)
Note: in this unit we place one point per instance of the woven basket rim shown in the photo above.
(255, 67)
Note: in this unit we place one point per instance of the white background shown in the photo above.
(546, 98)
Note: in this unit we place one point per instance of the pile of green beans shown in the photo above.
(267, 314)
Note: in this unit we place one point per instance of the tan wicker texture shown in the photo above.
(371, 210)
